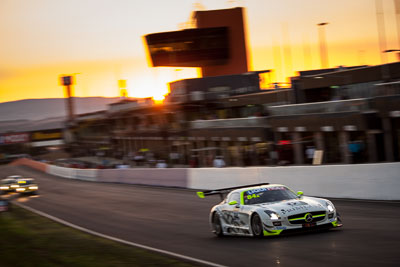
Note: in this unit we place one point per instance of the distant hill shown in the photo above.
(38, 109)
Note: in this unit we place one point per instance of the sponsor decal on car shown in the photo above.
(297, 208)
(297, 203)
(257, 190)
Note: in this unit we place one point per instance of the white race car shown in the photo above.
(269, 210)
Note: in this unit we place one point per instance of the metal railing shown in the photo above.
(229, 123)
(361, 104)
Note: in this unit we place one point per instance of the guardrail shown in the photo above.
(361, 104)
(357, 181)
(227, 123)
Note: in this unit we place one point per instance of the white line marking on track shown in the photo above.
(172, 254)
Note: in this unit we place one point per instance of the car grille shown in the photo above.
(300, 218)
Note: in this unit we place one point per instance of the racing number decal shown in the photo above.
(252, 196)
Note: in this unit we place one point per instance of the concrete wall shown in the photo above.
(86, 174)
(176, 177)
(360, 181)
(357, 181)
(61, 171)
(81, 174)
(31, 163)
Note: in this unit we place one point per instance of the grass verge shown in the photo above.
(27, 239)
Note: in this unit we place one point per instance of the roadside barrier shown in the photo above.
(86, 174)
(61, 171)
(174, 177)
(31, 163)
(356, 181)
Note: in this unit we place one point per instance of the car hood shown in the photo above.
(27, 185)
(293, 206)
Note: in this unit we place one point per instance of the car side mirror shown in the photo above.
(233, 202)
(300, 193)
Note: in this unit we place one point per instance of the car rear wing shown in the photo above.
(223, 191)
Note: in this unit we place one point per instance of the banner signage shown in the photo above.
(14, 138)
(42, 136)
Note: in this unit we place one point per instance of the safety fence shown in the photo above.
(357, 181)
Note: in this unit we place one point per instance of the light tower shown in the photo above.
(68, 81)
(322, 45)
(381, 30)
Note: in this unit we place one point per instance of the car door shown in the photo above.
(233, 213)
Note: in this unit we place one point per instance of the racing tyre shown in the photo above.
(256, 226)
(216, 225)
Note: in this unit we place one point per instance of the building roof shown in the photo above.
(362, 74)
(29, 126)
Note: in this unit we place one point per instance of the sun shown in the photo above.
(154, 83)
(158, 98)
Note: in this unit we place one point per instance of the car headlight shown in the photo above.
(33, 187)
(273, 215)
(4, 187)
(330, 207)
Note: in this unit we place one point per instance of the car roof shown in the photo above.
(14, 177)
(27, 179)
(256, 187)
(8, 179)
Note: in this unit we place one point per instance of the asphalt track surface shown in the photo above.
(176, 220)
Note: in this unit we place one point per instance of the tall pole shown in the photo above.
(287, 51)
(122, 88)
(276, 52)
(70, 103)
(397, 10)
(381, 30)
(322, 45)
(307, 52)
(68, 81)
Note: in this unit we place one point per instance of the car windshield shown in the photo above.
(14, 177)
(267, 194)
(25, 182)
(8, 181)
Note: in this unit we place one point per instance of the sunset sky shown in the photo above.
(101, 40)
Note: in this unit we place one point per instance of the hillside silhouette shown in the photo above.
(38, 109)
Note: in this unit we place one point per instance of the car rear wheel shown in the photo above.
(256, 225)
(216, 225)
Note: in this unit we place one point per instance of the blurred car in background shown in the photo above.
(27, 186)
(5, 185)
(4, 205)
(10, 183)
(16, 177)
